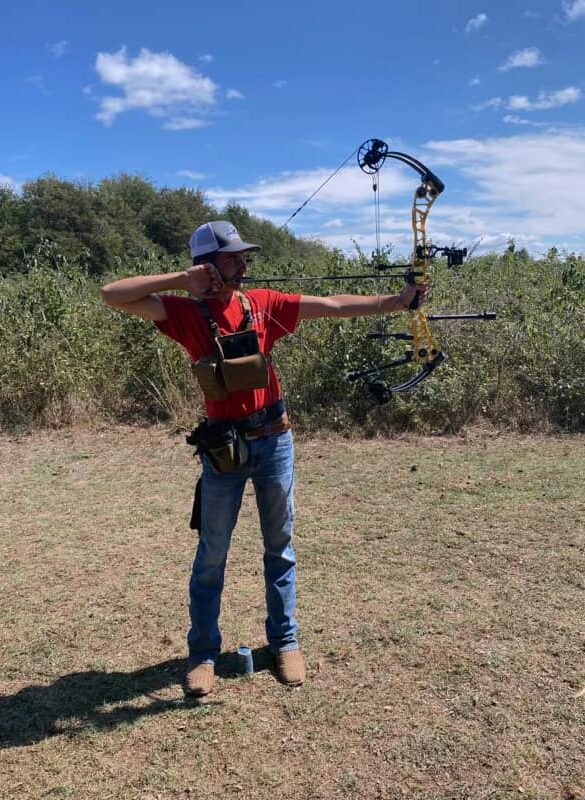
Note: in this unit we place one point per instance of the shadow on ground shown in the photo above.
(72, 704)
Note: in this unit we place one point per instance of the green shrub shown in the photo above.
(62, 352)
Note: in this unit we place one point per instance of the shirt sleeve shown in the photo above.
(179, 317)
(186, 325)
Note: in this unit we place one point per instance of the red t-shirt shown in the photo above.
(274, 314)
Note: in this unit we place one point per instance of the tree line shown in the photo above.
(63, 354)
(120, 218)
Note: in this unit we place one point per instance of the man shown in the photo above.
(254, 420)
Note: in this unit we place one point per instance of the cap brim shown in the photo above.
(238, 247)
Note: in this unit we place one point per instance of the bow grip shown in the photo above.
(414, 303)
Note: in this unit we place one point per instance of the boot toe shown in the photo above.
(199, 680)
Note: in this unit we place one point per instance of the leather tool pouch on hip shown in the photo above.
(237, 364)
(222, 443)
(226, 449)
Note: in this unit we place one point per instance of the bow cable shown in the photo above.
(318, 189)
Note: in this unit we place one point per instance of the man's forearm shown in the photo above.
(129, 290)
(354, 305)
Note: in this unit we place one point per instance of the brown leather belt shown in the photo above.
(279, 425)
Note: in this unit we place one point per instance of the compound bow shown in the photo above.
(371, 156)
(425, 350)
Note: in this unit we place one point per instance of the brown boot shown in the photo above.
(199, 680)
(290, 667)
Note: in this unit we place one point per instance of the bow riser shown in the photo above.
(425, 347)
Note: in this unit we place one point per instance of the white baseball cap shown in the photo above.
(217, 237)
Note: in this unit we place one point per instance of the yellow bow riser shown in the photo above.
(424, 345)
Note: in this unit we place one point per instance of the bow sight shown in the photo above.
(455, 256)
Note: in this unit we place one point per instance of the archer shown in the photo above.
(229, 334)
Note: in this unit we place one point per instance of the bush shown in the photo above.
(64, 352)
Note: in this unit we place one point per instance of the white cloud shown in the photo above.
(545, 100)
(284, 192)
(206, 58)
(280, 84)
(474, 81)
(494, 102)
(157, 83)
(38, 81)
(521, 182)
(575, 10)
(184, 124)
(233, 94)
(529, 57)
(475, 23)
(319, 144)
(58, 49)
(194, 176)
(514, 119)
(11, 183)
(349, 194)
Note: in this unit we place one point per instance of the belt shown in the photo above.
(264, 422)
(280, 426)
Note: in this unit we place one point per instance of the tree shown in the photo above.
(12, 225)
(173, 215)
(62, 212)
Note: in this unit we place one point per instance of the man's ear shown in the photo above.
(207, 259)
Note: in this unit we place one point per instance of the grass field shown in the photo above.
(441, 601)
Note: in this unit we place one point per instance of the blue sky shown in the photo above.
(258, 102)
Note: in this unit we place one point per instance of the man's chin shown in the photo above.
(226, 292)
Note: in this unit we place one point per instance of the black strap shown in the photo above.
(195, 521)
(214, 327)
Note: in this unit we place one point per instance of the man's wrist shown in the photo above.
(178, 280)
(394, 303)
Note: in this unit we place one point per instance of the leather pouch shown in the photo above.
(242, 365)
(210, 379)
(246, 372)
(224, 446)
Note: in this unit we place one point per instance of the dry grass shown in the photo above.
(441, 585)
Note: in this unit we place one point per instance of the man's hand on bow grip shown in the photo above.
(203, 281)
(410, 291)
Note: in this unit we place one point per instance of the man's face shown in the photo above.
(232, 266)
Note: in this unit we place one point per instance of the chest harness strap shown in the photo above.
(236, 363)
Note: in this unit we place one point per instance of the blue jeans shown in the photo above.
(271, 468)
